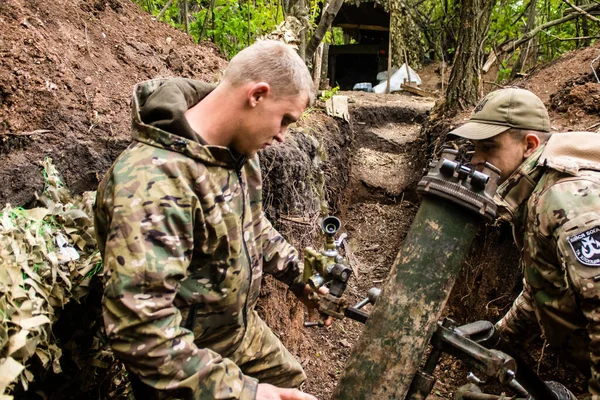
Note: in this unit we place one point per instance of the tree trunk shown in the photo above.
(464, 85)
(300, 10)
(318, 61)
(327, 17)
(524, 53)
(183, 6)
(325, 65)
(208, 14)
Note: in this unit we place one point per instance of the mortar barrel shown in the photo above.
(388, 354)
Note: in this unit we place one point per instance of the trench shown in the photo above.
(385, 161)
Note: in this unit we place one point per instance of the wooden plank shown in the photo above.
(356, 49)
(416, 90)
(363, 27)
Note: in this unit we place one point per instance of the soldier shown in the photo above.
(550, 192)
(185, 241)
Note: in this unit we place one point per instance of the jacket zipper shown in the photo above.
(245, 310)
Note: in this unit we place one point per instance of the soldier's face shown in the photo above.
(504, 151)
(268, 122)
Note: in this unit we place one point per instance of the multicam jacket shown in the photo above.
(553, 203)
(184, 241)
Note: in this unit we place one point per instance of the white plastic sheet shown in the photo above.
(397, 79)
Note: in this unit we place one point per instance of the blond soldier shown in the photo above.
(184, 238)
(550, 193)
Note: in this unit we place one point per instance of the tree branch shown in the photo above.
(327, 17)
(580, 11)
(164, 10)
(513, 45)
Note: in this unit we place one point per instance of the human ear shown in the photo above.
(532, 142)
(257, 91)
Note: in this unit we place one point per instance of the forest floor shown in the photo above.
(66, 72)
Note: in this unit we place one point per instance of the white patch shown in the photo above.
(159, 161)
(145, 304)
(136, 201)
(247, 236)
(237, 385)
(170, 332)
(141, 347)
(156, 218)
(179, 346)
(138, 263)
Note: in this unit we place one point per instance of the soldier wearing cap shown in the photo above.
(550, 192)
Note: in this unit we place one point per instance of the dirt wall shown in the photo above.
(66, 73)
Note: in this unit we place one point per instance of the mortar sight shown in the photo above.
(462, 184)
(331, 225)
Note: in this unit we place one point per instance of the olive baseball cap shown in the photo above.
(502, 110)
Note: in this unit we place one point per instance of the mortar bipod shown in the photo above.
(480, 347)
(477, 344)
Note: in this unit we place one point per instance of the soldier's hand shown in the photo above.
(265, 391)
(313, 305)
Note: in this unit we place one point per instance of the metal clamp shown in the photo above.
(461, 184)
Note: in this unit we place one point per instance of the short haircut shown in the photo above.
(275, 63)
(519, 134)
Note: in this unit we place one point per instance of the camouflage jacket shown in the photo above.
(553, 203)
(184, 242)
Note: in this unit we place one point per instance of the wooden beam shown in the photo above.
(416, 90)
(364, 27)
(356, 49)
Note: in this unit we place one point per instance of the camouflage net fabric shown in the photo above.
(48, 259)
(288, 31)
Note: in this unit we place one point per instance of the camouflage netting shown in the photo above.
(49, 260)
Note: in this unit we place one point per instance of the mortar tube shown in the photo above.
(384, 362)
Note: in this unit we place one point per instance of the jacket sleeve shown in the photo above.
(520, 321)
(147, 249)
(578, 248)
(280, 258)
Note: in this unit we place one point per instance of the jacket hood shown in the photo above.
(158, 119)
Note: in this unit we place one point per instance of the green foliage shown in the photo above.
(327, 94)
(231, 25)
(234, 24)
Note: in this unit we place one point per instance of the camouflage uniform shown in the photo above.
(185, 242)
(553, 203)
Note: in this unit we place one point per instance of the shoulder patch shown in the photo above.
(586, 246)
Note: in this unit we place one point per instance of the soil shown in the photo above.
(66, 72)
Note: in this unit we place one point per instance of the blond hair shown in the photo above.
(272, 62)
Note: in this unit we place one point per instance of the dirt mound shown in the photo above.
(66, 72)
(578, 98)
(558, 85)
